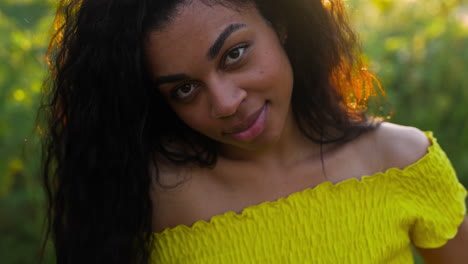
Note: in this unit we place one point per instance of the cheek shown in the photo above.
(195, 118)
(275, 73)
(273, 62)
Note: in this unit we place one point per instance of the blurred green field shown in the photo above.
(418, 49)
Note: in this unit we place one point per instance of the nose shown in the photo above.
(225, 98)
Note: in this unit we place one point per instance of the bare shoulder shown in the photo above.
(400, 146)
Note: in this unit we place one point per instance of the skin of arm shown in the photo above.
(455, 251)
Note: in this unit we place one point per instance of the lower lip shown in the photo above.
(254, 130)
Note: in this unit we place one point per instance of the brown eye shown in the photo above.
(234, 55)
(184, 91)
(186, 88)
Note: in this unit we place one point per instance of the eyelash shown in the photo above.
(176, 89)
(243, 46)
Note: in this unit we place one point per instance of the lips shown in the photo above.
(250, 127)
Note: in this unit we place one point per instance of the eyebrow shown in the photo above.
(218, 44)
(171, 78)
(212, 53)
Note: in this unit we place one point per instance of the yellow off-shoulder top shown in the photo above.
(372, 220)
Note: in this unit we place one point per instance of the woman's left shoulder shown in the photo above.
(399, 146)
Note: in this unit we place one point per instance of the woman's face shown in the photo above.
(225, 74)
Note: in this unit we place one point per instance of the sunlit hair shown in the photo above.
(106, 122)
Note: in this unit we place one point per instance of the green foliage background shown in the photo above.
(418, 49)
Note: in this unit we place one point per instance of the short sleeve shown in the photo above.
(433, 198)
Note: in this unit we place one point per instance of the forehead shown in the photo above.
(197, 16)
(193, 29)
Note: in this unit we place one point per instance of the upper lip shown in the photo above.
(246, 122)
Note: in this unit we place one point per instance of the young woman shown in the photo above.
(204, 131)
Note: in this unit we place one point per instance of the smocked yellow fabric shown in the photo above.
(373, 220)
